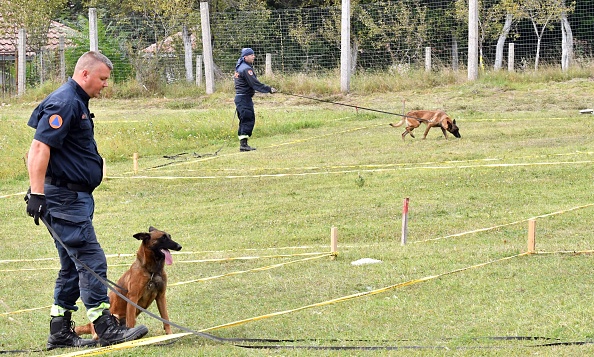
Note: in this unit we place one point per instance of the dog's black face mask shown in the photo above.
(454, 129)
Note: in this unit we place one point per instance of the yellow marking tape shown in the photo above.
(119, 255)
(380, 165)
(506, 224)
(358, 295)
(249, 270)
(247, 258)
(125, 345)
(14, 194)
(24, 310)
(156, 339)
(51, 268)
(449, 167)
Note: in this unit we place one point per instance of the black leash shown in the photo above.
(234, 341)
(106, 283)
(355, 106)
(180, 158)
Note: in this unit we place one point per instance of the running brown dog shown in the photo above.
(144, 282)
(433, 118)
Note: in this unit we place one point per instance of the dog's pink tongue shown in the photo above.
(168, 258)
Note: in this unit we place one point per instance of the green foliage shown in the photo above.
(109, 45)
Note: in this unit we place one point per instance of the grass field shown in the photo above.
(461, 286)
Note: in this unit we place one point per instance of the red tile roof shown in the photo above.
(8, 39)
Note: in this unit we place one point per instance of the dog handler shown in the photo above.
(246, 84)
(64, 169)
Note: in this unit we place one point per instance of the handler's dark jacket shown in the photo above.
(246, 82)
(63, 121)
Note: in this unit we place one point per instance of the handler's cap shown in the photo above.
(246, 52)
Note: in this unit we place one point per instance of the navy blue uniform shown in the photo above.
(246, 84)
(64, 123)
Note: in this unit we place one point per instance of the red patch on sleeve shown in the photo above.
(250, 72)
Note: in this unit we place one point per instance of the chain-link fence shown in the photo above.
(385, 36)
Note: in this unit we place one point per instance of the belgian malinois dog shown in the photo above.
(433, 118)
(144, 282)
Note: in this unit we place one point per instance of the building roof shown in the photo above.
(167, 46)
(8, 39)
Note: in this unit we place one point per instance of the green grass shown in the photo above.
(525, 152)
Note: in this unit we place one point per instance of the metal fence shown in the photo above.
(386, 36)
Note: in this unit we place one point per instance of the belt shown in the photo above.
(69, 185)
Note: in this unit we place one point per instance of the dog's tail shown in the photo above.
(398, 124)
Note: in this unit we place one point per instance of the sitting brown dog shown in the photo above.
(432, 118)
(144, 282)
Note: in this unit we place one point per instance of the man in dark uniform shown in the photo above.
(64, 169)
(246, 84)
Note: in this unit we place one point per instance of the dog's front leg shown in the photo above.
(445, 133)
(131, 310)
(162, 306)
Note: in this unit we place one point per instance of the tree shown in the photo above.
(542, 13)
(34, 16)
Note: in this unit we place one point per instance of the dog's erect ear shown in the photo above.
(142, 236)
(454, 121)
(151, 228)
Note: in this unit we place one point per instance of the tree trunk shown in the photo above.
(501, 42)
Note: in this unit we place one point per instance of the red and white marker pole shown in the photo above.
(404, 221)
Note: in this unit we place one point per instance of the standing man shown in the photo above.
(246, 84)
(64, 169)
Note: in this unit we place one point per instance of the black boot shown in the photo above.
(110, 332)
(62, 333)
(243, 145)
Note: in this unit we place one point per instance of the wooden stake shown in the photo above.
(531, 236)
(135, 161)
(334, 242)
(104, 169)
(404, 221)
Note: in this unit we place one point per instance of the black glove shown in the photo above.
(36, 205)
(273, 90)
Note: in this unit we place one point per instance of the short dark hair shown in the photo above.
(91, 58)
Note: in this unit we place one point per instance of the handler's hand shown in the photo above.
(273, 90)
(36, 205)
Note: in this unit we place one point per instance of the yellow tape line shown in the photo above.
(24, 310)
(506, 224)
(248, 271)
(358, 295)
(121, 255)
(352, 171)
(247, 258)
(125, 345)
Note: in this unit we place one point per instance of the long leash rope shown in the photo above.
(235, 341)
(354, 106)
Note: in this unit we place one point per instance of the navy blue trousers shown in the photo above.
(246, 115)
(70, 214)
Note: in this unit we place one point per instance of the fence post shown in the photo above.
(62, 59)
(21, 62)
(198, 70)
(427, 59)
(268, 71)
(473, 38)
(510, 58)
(345, 47)
(207, 48)
(93, 36)
(187, 39)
